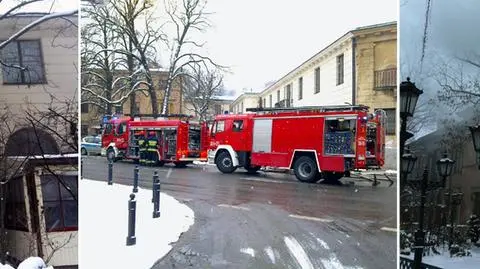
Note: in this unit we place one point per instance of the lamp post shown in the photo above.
(476, 141)
(456, 198)
(407, 165)
(445, 168)
(409, 94)
(420, 234)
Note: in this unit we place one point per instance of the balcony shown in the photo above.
(284, 103)
(385, 79)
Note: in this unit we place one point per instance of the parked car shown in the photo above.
(91, 145)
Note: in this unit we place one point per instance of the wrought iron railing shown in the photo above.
(284, 103)
(406, 263)
(386, 79)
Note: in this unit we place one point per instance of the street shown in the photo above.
(270, 220)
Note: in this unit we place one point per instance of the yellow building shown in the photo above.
(375, 53)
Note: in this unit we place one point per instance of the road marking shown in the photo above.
(169, 172)
(249, 251)
(270, 254)
(298, 253)
(323, 243)
(388, 229)
(235, 206)
(265, 180)
(310, 218)
(334, 263)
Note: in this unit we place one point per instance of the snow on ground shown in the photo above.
(29, 263)
(104, 226)
(444, 260)
(5, 266)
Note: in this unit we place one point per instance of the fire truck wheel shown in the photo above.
(252, 170)
(306, 170)
(331, 177)
(224, 163)
(181, 164)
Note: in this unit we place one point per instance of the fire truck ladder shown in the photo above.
(181, 116)
(310, 108)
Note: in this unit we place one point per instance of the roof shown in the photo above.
(351, 32)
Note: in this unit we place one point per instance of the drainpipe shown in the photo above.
(354, 74)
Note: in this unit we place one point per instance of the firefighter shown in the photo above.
(142, 147)
(152, 148)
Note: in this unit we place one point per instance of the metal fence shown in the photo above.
(406, 263)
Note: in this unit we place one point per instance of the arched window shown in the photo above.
(30, 142)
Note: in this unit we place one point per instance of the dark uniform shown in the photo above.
(152, 149)
(142, 148)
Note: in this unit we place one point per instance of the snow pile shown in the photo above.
(445, 261)
(29, 263)
(104, 226)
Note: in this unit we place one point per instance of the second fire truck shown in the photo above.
(180, 141)
(316, 142)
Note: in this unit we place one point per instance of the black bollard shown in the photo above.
(132, 207)
(110, 173)
(156, 201)
(155, 180)
(135, 179)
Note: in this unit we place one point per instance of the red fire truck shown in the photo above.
(316, 142)
(180, 141)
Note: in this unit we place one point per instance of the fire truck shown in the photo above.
(318, 143)
(180, 141)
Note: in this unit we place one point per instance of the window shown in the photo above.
(171, 108)
(288, 95)
(317, 80)
(16, 214)
(270, 99)
(60, 205)
(391, 121)
(300, 88)
(122, 128)
(84, 130)
(476, 203)
(108, 128)
(237, 125)
(340, 69)
(218, 109)
(264, 102)
(118, 109)
(278, 96)
(219, 127)
(25, 53)
(241, 107)
(136, 109)
(84, 108)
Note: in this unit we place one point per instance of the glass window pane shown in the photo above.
(52, 213)
(70, 213)
(72, 184)
(50, 189)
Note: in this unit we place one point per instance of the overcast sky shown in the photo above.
(263, 40)
(43, 6)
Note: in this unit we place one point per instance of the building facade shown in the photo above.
(216, 106)
(244, 101)
(92, 114)
(38, 107)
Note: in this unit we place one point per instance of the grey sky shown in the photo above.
(43, 6)
(263, 40)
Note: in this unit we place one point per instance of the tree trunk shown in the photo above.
(133, 102)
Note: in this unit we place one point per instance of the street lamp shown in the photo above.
(476, 141)
(409, 94)
(407, 165)
(455, 200)
(445, 168)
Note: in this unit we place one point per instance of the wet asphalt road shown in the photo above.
(270, 220)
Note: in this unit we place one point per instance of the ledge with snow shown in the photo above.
(104, 226)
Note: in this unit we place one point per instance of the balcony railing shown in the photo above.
(284, 103)
(385, 79)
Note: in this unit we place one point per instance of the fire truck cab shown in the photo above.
(180, 141)
(316, 142)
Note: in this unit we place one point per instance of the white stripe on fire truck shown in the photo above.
(234, 206)
(310, 218)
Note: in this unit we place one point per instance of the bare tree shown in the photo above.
(188, 17)
(199, 87)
